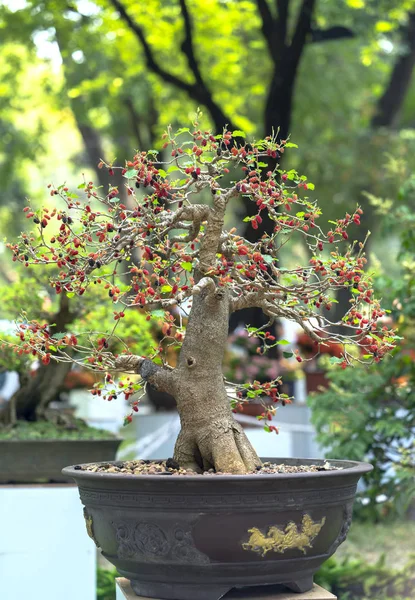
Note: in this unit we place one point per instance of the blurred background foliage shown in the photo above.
(81, 80)
(370, 412)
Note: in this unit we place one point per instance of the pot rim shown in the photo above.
(351, 467)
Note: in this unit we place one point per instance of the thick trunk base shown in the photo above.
(220, 444)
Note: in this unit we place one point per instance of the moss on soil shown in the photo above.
(43, 430)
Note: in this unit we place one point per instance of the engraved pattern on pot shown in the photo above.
(277, 501)
(347, 521)
(280, 540)
(150, 539)
(149, 542)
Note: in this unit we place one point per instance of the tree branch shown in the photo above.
(283, 7)
(337, 32)
(151, 61)
(302, 30)
(214, 230)
(161, 379)
(268, 26)
(393, 97)
(248, 300)
(134, 120)
(187, 44)
(198, 91)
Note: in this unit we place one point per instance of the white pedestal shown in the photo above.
(124, 592)
(45, 552)
(96, 412)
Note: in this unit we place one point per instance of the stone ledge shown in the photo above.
(124, 592)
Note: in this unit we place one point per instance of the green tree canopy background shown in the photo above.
(82, 80)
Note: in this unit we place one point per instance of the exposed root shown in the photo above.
(222, 445)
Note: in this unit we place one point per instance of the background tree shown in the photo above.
(42, 383)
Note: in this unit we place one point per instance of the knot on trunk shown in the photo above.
(204, 283)
(191, 362)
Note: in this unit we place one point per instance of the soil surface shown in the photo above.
(170, 467)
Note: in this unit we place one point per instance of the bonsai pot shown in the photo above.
(33, 461)
(187, 537)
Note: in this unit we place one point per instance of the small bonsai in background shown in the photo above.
(42, 381)
(175, 217)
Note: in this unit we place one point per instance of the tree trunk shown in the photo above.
(31, 400)
(210, 437)
(36, 393)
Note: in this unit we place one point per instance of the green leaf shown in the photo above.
(53, 348)
(288, 354)
(292, 174)
(81, 186)
(182, 130)
(165, 289)
(173, 168)
(335, 360)
(238, 133)
(70, 294)
(162, 172)
(267, 258)
(187, 266)
(310, 186)
(283, 342)
(300, 214)
(59, 336)
(291, 145)
(131, 173)
(262, 164)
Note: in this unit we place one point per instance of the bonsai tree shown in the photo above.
(176, 216)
